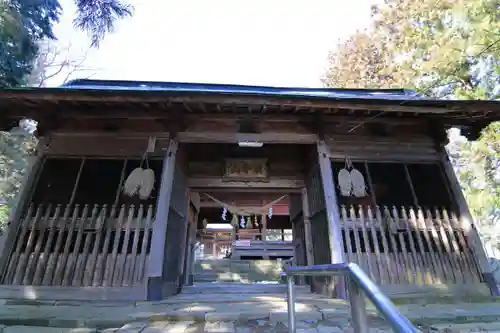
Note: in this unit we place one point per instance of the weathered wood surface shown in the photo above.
(406, 246)
(381, 138)
(269, 138)
(295, 205)
(273, 183)
(472, 234)
(392, 148)
(176, 234)
(81, 246)
(88, 144)
(157, 258)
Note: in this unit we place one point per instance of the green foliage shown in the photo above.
(22, 24)
(97, 17)
(15, 152)
(444, 49)
(424, 45)
(478, 169)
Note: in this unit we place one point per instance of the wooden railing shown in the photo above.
(408, 246)
(81, 246)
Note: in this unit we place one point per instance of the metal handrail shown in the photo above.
(357, 284)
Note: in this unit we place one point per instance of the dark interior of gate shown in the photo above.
(244, 193)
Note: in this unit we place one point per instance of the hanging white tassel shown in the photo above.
(242, 222)
(344, 179)
(147, 184)
(224, 212)
(234, 221)
(358, 184)
(140, 181)
(147, 180)
(270, 212)
(133, 182)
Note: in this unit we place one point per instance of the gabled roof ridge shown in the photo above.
(238, 89)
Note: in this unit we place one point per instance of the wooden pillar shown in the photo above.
(332, 213)
(157, 252)
(214, 246)
(264, 227)
(191, 253)
(186, 240)
(8, 237)
(307, 229)
(466, 220)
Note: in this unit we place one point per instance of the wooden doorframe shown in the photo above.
(331, 204)
(307, 228)
(190, 243)
(154, 273)
(187, 249)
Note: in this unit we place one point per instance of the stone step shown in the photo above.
(222, 290)
(234, 277)
(269, 324)
(215, 278)
(238, 269)
(215, 263)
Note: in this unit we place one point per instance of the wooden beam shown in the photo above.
(332, 212)
(157, 253)
(277, 209)
(266, 138)
(235, 100)
(169, 115)
(246, 190)
(468, 224)
(218, 183)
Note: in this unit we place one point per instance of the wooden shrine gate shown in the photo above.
(178, 237)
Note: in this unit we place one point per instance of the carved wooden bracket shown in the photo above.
(437, 131)
(473, 133)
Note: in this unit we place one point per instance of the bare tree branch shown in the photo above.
(54, 61)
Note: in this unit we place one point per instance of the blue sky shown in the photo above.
(256, 42)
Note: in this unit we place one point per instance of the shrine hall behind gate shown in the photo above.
(237, 174)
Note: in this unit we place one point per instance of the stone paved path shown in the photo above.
(258, 309)
(253, 326)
